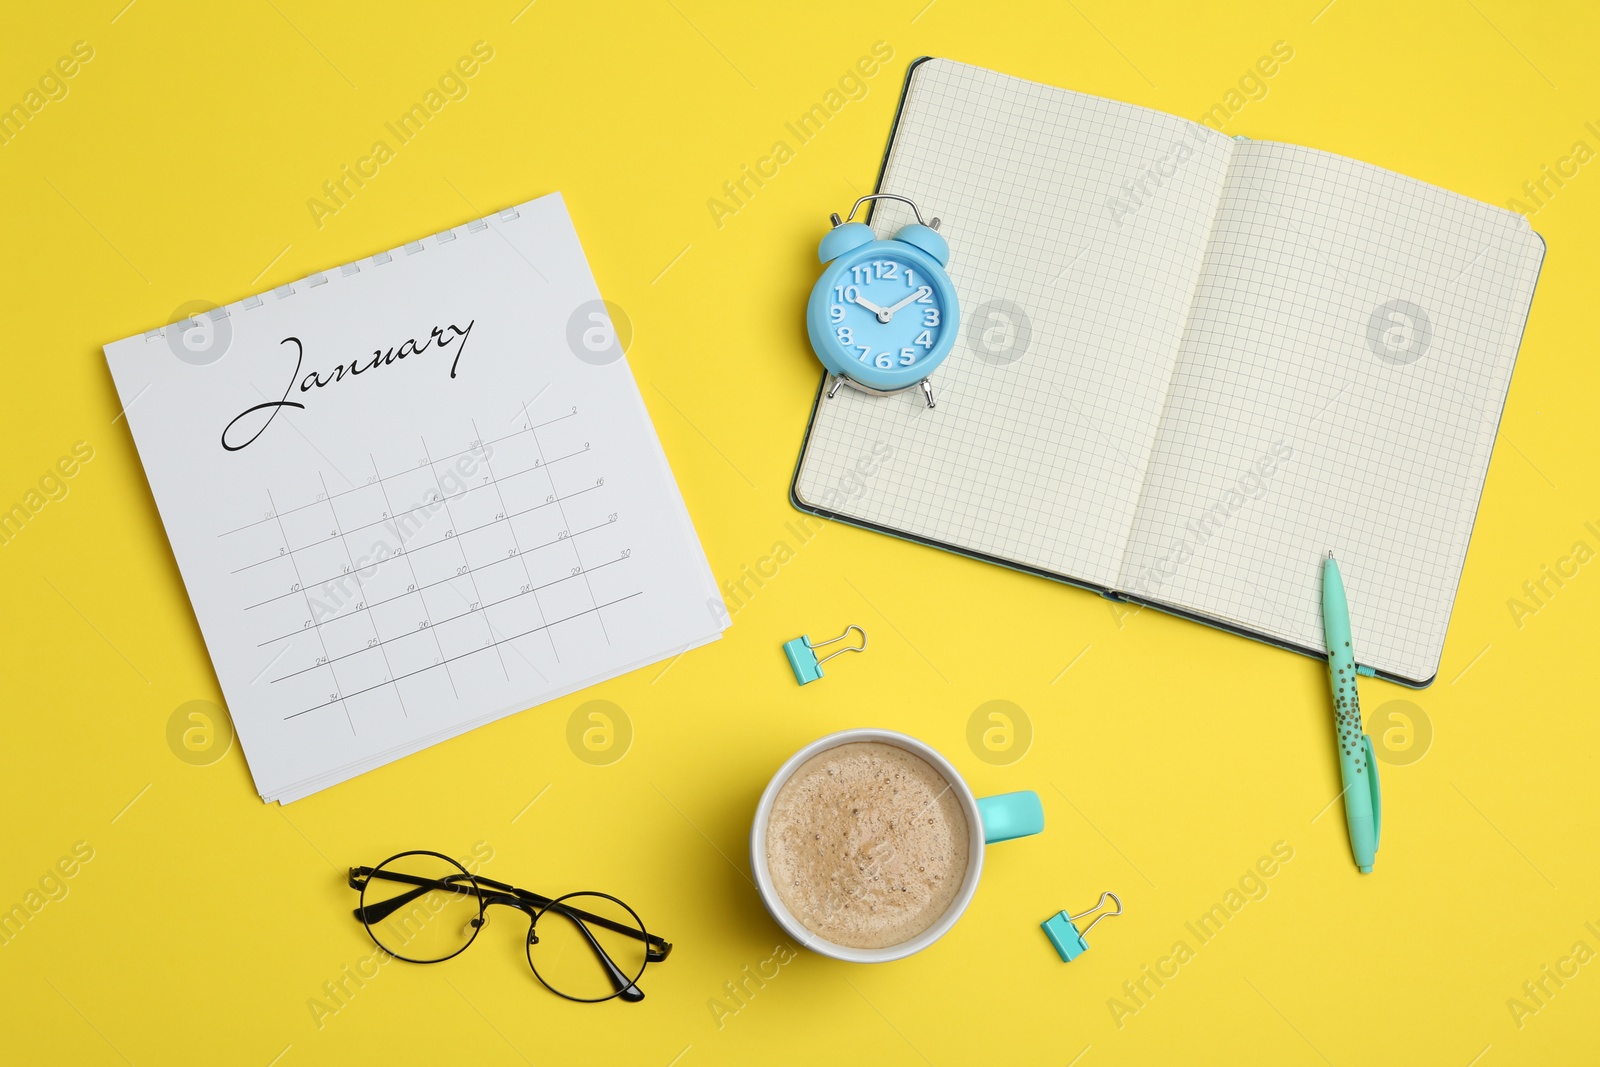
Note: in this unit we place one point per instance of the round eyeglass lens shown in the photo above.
(421, 907)
(587, 946)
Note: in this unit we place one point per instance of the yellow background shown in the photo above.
(1170, 757)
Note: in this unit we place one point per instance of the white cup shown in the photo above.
(989, 819)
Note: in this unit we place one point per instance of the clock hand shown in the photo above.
(914, 296)
(883, 314)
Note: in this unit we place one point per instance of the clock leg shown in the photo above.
(833, 389)
(927, 391)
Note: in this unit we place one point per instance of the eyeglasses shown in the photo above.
(423, 907)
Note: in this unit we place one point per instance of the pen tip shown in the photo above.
(1330, 553)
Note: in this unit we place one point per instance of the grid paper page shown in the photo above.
(1088, 218)
(403, 503)
(1339, 388)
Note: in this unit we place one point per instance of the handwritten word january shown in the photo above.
(440, 337)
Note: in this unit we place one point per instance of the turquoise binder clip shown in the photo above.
(803, 656)
(1063, 932)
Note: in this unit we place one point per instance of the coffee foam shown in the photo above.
(867, 844)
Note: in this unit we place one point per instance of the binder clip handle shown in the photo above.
(802, 654)
(1063, 932)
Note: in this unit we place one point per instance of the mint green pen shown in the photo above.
(1363, 807)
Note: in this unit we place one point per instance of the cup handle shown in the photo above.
(1010, 815)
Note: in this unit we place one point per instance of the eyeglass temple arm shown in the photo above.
(377, 912)
(383, 909)
(626, 988)
(656, 950)
(658, 947)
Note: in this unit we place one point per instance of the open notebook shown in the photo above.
(1190, 366)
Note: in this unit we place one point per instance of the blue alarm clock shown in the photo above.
(883, 316)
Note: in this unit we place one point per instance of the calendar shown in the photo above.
(412, 495)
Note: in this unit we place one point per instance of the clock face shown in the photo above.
(885, 313)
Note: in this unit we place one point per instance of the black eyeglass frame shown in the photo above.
(487, 891)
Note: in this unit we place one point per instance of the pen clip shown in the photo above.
(1377, 793)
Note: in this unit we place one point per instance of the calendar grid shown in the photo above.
(560, 508)
(358, 488)
(464, 655)
(430, 544)
(466, 564)
(515, 542)
(415, 582)
(298, 581)
(366, 606)
(464, 578)
(452, 618)
(406, 511)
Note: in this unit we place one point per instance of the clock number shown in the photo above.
(862, 273)
(866, 351)
(930, 316)
(846, 336)
(911, 278)
(925, 339)
(835, 313)
(925, 295)
(848, 294)
(908, 356)
(884, 361)
(886, 268)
